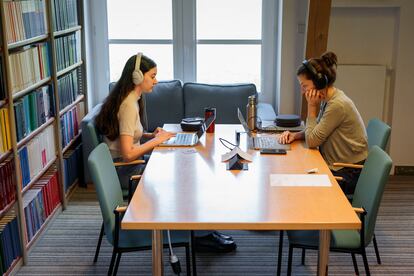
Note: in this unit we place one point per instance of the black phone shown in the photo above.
(272, 151)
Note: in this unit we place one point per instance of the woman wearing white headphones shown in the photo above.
(119, 119)
(338, 130)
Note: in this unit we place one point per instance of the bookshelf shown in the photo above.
(42, 101)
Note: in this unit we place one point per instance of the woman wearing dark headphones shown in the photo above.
(119, 119)
(338, 130)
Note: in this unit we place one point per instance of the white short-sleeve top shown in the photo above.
(129, 124)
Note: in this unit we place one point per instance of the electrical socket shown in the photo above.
(404, 170)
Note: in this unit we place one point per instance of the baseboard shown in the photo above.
(404, 170)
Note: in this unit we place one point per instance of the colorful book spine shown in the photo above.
(40, 201)
(68, 87)
(5, 136)
(65, 14)
(7, 183)
(73, 166)
(10, 247)
(25, 19)
(68, 50)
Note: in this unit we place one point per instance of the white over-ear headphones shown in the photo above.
(137, 76)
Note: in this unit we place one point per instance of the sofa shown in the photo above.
(170, 101)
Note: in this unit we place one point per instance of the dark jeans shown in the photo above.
(350, 178)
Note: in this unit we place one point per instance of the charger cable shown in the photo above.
(174, 261)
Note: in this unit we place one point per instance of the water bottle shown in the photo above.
(251, 109)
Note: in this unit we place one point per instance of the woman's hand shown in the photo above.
(313, 97)
(287, 137)
(162, 135)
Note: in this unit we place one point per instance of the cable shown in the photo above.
(222, 140)
(174, 261)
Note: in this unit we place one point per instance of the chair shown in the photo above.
(94, 140)
(110, 199)
(366, 201)
(378, 134)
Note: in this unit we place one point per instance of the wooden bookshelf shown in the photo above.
(35, 132)
(67, 31)
(32, 87)
(38, 176)
(7, 208)
(27, 42)
(4, 155)
(79, 99)
(73, 28)
(71, 142)
(39, 232)
(70, 68)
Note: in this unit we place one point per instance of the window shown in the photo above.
(140, 26)
(209, 41)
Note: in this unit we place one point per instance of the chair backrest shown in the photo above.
(370, 187)
(92, 133)
(105, 178)
(378, 133)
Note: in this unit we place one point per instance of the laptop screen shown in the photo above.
(243, 122)
(205, 126)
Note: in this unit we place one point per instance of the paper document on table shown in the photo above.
(233, 152)
(300, 180)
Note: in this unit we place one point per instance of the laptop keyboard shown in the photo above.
(265, 142)
(183, 138)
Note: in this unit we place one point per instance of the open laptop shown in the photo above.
(258, 143)
(188, 139)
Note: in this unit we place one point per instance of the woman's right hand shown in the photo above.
(163, 135)
(286, 137)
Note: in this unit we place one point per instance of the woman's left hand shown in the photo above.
(313, 97)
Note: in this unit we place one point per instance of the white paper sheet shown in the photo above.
(299, 180)
(225, 157)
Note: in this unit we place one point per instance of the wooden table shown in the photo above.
(190, 188)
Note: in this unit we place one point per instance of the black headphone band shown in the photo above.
(320, 80)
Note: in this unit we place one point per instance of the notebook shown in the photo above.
(188, 139)
(258, 143)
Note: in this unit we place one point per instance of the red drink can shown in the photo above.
(208, 112)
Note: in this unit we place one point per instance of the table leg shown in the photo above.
(157, 246)
(323, 257)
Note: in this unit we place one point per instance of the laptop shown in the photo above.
(188, 139)
(258, 143)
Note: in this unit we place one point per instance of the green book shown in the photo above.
(33, 111)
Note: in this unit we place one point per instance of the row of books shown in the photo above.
(73, 163)
(68, 50)
(65, 14)
(24, 19)
(5, 138)
(68, 87)
(69, 123)
(10, 246)
(36, 154)
(2, 89)
(33, 110)
(29, 66)
(7, 182)
(40, 201)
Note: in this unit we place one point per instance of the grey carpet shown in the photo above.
(67, 247)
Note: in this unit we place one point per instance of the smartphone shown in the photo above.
(272, 151)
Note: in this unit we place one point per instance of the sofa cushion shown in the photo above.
(165, 104)
(225, 98)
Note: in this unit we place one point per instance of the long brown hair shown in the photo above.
(107, 120)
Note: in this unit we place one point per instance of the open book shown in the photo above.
(242, 154)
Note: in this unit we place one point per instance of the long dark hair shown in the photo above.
(326, 65)
(107, 120)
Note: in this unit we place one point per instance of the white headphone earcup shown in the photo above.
(137, 77)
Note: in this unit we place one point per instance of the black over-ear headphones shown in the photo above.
(319, 80)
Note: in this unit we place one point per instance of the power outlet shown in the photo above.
(404, 170)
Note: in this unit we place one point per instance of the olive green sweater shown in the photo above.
(338, 131)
